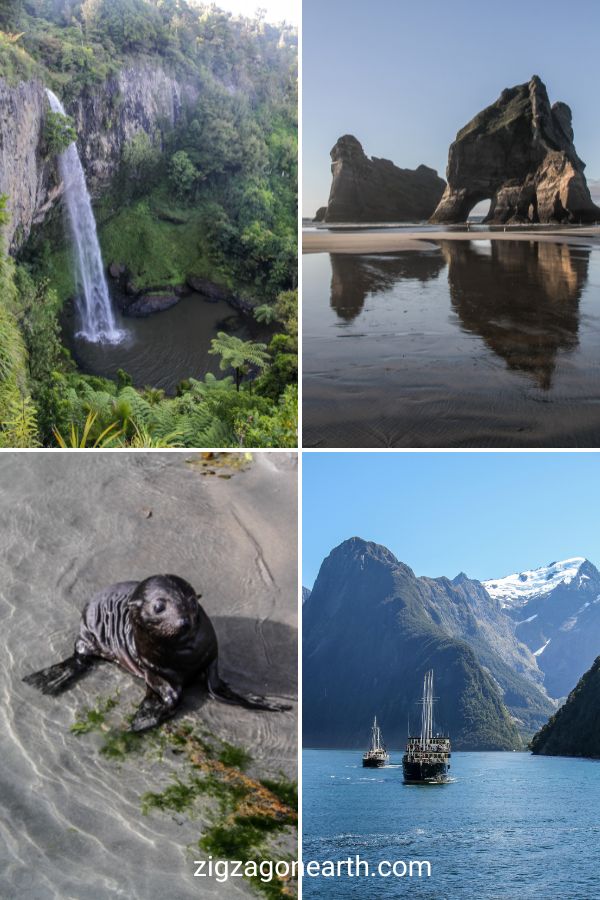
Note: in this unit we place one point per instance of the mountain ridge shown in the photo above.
(365, 598)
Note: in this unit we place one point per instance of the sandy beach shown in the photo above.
(71, 823)
(323, 241)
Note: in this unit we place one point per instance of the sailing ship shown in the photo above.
(426, 758)
(376, 756)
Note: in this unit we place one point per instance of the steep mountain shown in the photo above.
(556, 611)
(575, 729)
(371, 630)
(305, 594)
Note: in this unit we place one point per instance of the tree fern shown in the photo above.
(238, 355)
(19, 428)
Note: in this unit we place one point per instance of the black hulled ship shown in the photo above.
(426, 760)
(376, 756)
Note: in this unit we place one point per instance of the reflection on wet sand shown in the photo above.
(521, 298)
(354, 277)
(470, 345)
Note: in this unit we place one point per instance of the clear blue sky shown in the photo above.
(403, 77)
(487, 514)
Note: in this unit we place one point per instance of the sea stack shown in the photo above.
(519, 154)
(375, 190)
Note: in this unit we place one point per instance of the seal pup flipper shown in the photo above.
(60, 676)
(161, 700)
(151, 712)
(220, 690)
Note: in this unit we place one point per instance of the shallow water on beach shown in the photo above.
(477, 344)
(167, 347)
(511, 826)
(71, 824)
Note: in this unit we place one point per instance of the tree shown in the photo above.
(238, 355)
(182, 174)
(141, 160)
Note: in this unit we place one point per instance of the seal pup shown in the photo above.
(157, 630)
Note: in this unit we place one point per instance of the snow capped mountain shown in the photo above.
(517, 589)
(556, 614)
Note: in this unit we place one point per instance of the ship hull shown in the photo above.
(373, 763)
(425, 773)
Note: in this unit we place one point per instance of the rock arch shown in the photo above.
(519, 151)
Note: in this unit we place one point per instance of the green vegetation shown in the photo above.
(211, 197)
(58, 133)
(574, 730)
(238, 355)
(246, 815)
(92, 718)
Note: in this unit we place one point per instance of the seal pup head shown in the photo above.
(164, 606)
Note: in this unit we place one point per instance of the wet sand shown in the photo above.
(470, 344)
(70, 819)
(323, 241)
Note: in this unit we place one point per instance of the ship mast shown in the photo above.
(427, 711)
(375, 736)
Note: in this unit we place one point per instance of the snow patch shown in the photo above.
(530, 619)
(516, 589)
(541, 650)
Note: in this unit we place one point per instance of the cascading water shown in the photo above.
(94, 305)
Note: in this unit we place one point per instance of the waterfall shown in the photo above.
(93, 300)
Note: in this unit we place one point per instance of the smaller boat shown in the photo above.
(376, 756)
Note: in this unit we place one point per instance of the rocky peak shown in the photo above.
(348, 148)
(518, 153)
(356, 552)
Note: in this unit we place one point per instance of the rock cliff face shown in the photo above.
(375, 190)
(519, 153)
(139, 98)
(24, 175)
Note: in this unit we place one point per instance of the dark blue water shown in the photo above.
(510, 826)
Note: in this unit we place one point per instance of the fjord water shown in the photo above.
(97, 323)
(477, 343)
(511, 825)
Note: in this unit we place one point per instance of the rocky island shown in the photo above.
(375, 190)
(519, 154)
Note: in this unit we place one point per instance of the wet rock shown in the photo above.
(519, 153)
(116, 270)
(209, 289)
(375, 190)
(149, 303)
